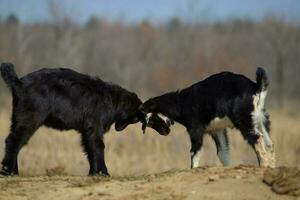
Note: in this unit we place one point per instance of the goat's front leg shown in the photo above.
(94, 147)
(196, 136)
(100, 158)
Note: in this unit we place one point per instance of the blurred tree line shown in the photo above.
(150, 59)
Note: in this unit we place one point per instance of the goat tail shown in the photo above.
(10, 77)
(261, 80)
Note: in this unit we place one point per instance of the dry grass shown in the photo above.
(132, 153)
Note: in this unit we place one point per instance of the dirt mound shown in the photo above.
(283, 180)
(242, 182)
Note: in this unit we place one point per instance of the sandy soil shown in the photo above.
(242, 182)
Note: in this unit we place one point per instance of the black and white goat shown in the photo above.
(224, 100)
(64, 99)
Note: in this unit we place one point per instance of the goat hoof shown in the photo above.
(4, 173)
(104, 174)
(100, 174)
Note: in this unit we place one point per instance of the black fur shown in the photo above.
(221, 95)
(64, 99)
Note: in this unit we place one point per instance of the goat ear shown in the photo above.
(119, 126)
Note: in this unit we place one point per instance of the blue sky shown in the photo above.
(154, 10)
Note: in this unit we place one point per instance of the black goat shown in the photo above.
(64, 99)
(210, 106)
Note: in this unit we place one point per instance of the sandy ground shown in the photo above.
(241, 182)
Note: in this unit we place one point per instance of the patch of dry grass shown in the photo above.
(132, 153)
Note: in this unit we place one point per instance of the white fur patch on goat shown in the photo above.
(164, 118)
(161, 116)
(266, 155)
(259, 100)
(218, 124)
(258, 116)
(148, 117)
(195, 159)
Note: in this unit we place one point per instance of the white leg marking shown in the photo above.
(266, 155)
(195, 159)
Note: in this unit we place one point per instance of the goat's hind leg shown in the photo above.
(17, 138)
(24, 124)
(265, 152)
(222, 143)
(265, 156)
(264, 146)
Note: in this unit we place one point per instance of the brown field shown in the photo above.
(130, 155)
(150, 58)
(242, 182)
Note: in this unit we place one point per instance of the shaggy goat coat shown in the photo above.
(64, 99)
